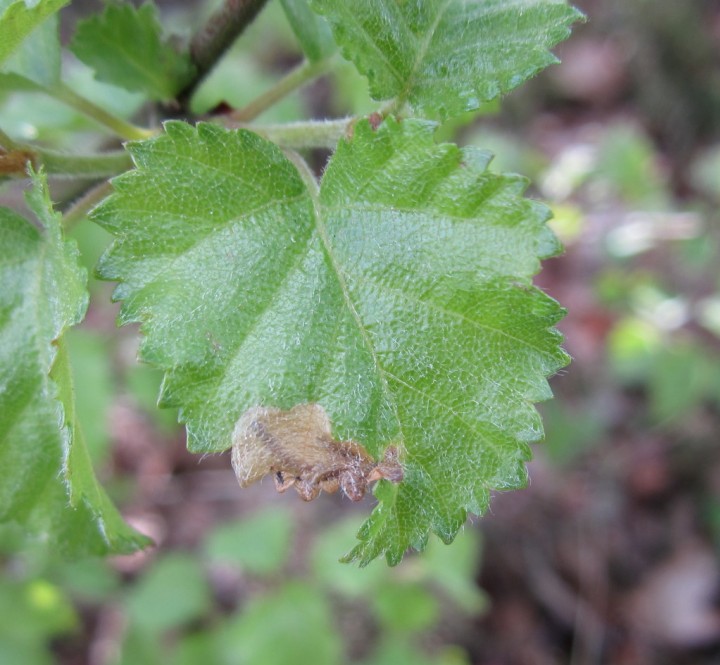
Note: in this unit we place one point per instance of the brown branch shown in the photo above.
(217, 36)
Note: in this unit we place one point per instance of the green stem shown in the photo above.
(298, 135)
(102, 165)
(293, 80)
(119, 126)
(80, 208)
(60, 164)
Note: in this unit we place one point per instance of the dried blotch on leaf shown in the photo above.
(297, 447)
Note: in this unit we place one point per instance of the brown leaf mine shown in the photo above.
(297, 447)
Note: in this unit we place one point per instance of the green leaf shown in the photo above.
(445, 57)
(349, 581)
(20, 18)
(405, 607)
(399, 297)
(259, 544)
(125, 46)
(91, 359)
(290, 626)
(312, 31)
(31, 613)
(394, 650)
(38, 58)
(454, 569)
(49, 485)
(172, 593)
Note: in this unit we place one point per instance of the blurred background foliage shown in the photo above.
(611, 555)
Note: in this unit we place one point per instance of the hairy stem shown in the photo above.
(80, 208)
(307, 134)
(119, 126)
(217, 36)
(102, 165)
(293, 80)
(14, 156)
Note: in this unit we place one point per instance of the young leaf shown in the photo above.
(48, 483)
(312, 30)
(445, 57)
(18, 19)
(399, 297)
(125, 46)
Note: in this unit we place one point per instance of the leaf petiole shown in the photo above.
(117, 125)
(101, 165)
(296, 78)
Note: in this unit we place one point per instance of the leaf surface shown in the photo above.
(398, 296)
(20, 18)
(125, 47)
(48, 483)
(446, 57)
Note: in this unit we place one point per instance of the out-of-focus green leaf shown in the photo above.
(173, 592)
(37, 59)
(260, 544)
(681, 377)
(196, 648)
(405, 607)
(19, 19)
(140, 647)
(347, 580)
(445, 57)
(291, 626)
(91, 579)
(312, 31)
(125, 47)
(49, 485)
(571, 430)
(92, 379)
(454, 569)
(632, 347)
(627, 162)
(31, 613)
(399, 297)
(396, 651)
(143, 383)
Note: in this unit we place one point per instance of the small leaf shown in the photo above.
(405, 607)
(399, 298)
(445, 57)
(125, 46)
(260, 544)
(18, 19)
(172, 593)
(292, 625)
(91, 359)
(37, 59)
(312, 31)
(454, 569)
(349, 581)
(48, 484)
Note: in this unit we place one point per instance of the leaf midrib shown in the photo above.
(421, 53)
(342, 283)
